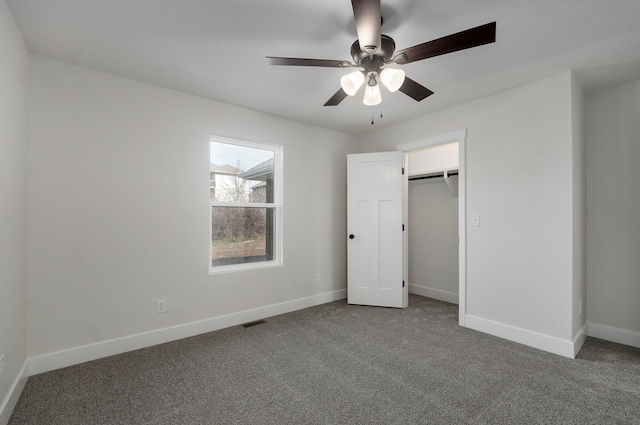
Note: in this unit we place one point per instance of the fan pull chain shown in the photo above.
(372, 122)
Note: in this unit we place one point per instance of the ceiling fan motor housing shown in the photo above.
(376, 61)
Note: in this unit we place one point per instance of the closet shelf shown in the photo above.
(450, 178)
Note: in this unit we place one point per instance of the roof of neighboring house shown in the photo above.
(224, 169)
(262, 171)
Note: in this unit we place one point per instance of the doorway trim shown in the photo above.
(460, 137)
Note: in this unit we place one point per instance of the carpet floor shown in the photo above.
(342, 364)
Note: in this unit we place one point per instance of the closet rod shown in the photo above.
(432, 176)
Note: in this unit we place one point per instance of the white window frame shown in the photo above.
(276, 205)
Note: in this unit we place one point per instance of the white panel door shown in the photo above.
(375, 212)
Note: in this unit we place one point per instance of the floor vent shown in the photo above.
(257, 322)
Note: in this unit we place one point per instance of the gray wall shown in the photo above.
(433, 240)
(521, 261)
(14, 63)
(578, 165)
(613, 213)
(119, 209)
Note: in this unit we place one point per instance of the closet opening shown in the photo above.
(436, 218)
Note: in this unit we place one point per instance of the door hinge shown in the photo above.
(403, 283)
(403, 227)
(403, 170)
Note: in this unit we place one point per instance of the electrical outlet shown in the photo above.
(317, 278)
(161, 306)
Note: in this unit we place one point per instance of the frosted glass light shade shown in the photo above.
(392, 78)
(372, 95)
(351, 82)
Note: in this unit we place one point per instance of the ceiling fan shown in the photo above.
(373, 52)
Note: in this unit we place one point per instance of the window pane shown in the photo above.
(241, 173)
(241, 235)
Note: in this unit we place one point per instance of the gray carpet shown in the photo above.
(341, 364)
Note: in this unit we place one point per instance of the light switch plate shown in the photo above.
(475, 220)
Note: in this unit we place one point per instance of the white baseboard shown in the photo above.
(73, 356)
(436, 294)
(537, 340)
(10, 401)
(579, 339)
(617, 335)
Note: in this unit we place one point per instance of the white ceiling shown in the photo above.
(217, 48)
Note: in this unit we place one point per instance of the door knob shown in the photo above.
(351, 236)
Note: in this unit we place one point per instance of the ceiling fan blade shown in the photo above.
(336, 98)
(414, 90)
(308, 62)
(484, 34)
(367, 14)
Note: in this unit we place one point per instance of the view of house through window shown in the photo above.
(244, 198)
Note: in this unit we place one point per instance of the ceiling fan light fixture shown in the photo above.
(352, 82)
(372, 95)
(392, 78)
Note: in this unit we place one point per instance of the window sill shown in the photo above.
(243, 267)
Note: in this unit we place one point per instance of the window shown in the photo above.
(245, 196)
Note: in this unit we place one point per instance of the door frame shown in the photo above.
(460, 137)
